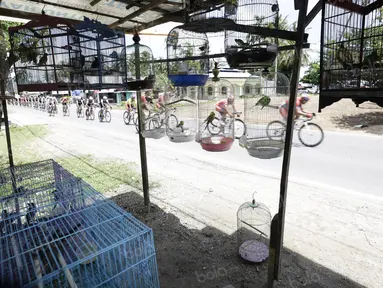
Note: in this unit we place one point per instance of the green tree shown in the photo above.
(312, 75)
(286, 59)
(6, 58)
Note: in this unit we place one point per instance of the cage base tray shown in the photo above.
(251, 59)
(254, 251)
(154, 133)
(188, 80)
(139, 85)
(181, 137)
(264, 148)
(216, 143)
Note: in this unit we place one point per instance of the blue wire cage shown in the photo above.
(57, 231)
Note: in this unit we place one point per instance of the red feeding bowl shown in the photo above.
(217, 143)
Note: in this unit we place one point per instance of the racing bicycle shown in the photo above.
(310, 134)
(218, 126)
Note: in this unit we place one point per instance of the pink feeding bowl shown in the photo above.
(217, 143)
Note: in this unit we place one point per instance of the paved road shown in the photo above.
(344, 160)
(322, 207)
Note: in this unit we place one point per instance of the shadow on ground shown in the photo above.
(190, 258)
(372, 120)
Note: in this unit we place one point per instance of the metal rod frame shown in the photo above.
(289, 134)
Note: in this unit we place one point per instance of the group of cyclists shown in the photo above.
(225, 107)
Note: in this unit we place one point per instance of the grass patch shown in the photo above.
(21, 139)
(103, 175)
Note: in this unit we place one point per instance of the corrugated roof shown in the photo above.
(126, 14)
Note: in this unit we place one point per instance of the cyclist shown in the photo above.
(52, 102)
(104, 103)
(161, 102)
(145, 101)
(64, 102)
(130, 104)
(283, 109)
(222, 105)
(89, 104)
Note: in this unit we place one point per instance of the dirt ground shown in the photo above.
(190, 257)
(345, 116)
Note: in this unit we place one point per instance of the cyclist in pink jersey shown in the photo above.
(283, 109)
(222, 105)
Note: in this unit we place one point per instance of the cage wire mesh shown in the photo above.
(263, 93)
(246, 50)
(139, 57)
(44, 56)
(351, 54)
(103, 56)
(57, 231)
(182, 44)
(182, 119)
(215, 131)
(253, 231)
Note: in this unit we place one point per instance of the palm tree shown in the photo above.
(286, 58)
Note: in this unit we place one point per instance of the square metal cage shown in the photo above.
(57, 231)
(351, 51)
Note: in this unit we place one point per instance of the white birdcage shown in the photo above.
(263, 94)
(253, 231)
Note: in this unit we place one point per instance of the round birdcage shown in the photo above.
(182, 45)
(181, 103)
(139, 66)
(247, 50)
(253, 231)
(263, 94)
(216, 127)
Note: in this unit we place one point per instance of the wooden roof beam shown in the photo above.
(130, 4)
(314, 12)
(172, 17)
(140, 11)
(349, 6)
(374, 6)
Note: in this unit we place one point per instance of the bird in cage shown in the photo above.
(344, 56)
(173, 39)
(264, 101)
(31, 214)
(181, 126)
(114, 54)
(95, 63)
(43, 60)
(82, 60)
(209, 119)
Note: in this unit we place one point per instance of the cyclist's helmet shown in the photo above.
(305, 97)
(105, 98)
(230, 99)
(90, 98)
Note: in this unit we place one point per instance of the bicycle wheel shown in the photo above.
(275, 130)
(172, 122)
(215, 127)
(126, 117)
(239, 128)
(108, 116)
(310, 134)
(100, 116)
(155, 122)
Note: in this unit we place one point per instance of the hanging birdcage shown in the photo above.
(247, 50)
(139, 66)
(263, 94)
(253, 231)
(181, 103)
(44, 55)
(216, 131)
(182, 45)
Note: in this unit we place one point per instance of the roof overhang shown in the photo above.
(124, 14)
